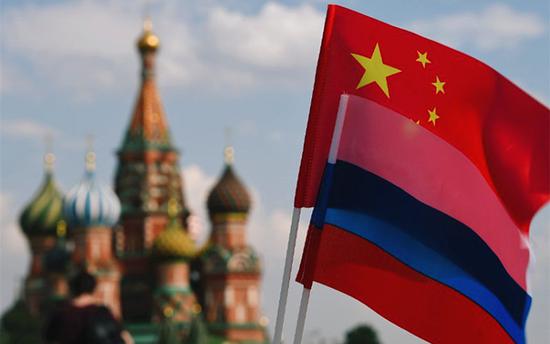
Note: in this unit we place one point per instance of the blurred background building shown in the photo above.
(151, 273)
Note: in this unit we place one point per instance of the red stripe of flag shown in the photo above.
(418, 304)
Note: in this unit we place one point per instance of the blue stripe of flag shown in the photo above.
(423, 238)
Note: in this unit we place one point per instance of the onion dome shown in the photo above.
(229, 195)
(57, 259)
(148, 40)
(41, 215)
(91, 204)
(174, 242)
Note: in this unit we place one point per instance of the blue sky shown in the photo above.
(70, 69)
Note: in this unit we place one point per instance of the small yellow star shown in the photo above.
(417, 122)
(432, 116)
(423, 58)
(439, 85)
(375, 70)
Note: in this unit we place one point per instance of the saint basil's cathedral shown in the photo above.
(153, 276)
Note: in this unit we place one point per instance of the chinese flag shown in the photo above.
(499, 127)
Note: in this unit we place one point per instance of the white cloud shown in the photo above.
(14, 252)
(197, 184)
(276, 37)
(498, 26)
(74, 45)
(73, 29)
(27, 129)
(86, 46)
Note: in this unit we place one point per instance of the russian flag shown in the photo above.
(424, 196)
(406, 224)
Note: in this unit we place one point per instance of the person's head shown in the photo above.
(82, 283)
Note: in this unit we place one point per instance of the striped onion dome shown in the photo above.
(229, 195)
(44, 211)
(91, 204)
(174, 242)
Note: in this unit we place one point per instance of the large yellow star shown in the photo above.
(432, 116)
(423, 58)
(439, 85)
(375, 70)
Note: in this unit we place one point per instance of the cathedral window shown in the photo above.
(252, 296)
(229, 296)
(95, 249)
(240, 313)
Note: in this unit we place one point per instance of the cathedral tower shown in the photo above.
(91, 210)
(39, 222)
(172, 251)
(148, 175)
(230, 267)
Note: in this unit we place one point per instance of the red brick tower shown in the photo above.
(230, 267)
(91, 210)
(147, 176)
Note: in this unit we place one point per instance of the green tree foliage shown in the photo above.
(362, 334)
(18, 326)
(168, 332)
(197, 333)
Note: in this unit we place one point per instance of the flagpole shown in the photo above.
(302, 316)
(332, 155)
(283, 296)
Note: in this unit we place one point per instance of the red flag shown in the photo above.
(499, 127)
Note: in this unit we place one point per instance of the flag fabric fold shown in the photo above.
(436, 168)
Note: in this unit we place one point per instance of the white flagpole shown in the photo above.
(283, 296)
(302, 316)
(334, 144)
